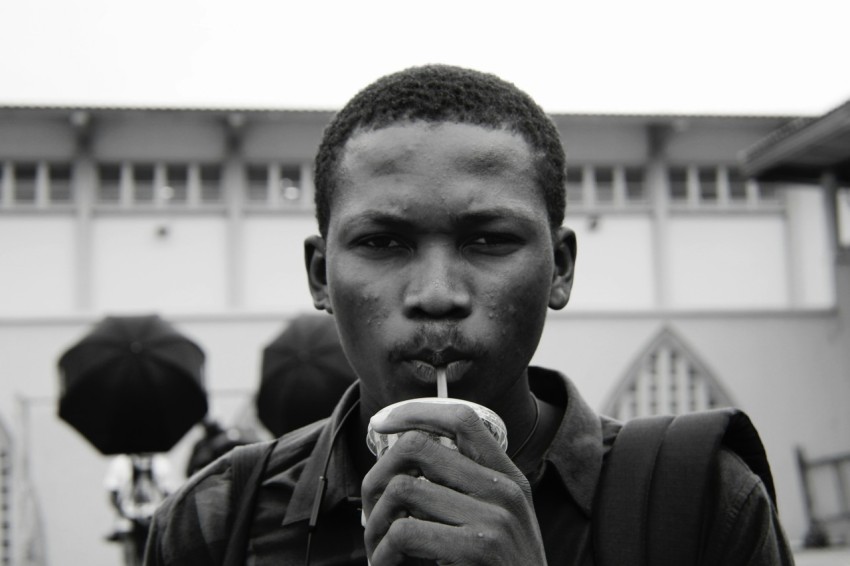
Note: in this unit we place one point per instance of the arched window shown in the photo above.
(666, 378)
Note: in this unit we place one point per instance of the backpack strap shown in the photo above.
(247, 464)
(679, 484)
(650, 504)
(619, 514)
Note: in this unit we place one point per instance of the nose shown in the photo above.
(438, 286)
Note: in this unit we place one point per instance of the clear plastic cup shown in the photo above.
(379, 443)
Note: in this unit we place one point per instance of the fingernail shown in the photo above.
(378, 419)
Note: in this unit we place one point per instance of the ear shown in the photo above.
(565, 262)
(315, 260)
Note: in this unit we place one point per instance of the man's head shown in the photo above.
(440, 93)
(440, 193)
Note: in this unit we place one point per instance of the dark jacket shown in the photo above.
(192, 527)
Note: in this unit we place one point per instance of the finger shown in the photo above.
(415, 538)
(414, 447)
(457, 421)
(415, 454)
(406, 496)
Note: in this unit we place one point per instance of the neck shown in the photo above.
(356, 439)
(528, 460)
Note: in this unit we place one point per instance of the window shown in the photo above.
(143, 186)
(257, 185)
(666, 378)
(635, 185)
(604, 181)
(606, 186)
(737, 187)
(274, 186)
(60, 189)
(290, 183)
(707, 185)
(678, 177)
(575, 193)
(109, 183)
(35, 185)
(718, 187)
(211, 184)
(147, 184)
(26, 175)
(176, 187)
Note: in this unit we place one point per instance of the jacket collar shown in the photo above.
(578, 447)
(342, 480)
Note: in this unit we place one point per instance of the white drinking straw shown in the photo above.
(442, 386)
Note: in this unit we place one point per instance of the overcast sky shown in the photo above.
(632, 56)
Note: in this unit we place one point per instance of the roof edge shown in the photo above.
(271, 110)
(791, 137)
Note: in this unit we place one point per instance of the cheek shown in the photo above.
(361, 314)
(358, 309)
(357, 294)
(518, 312)
(371, 310)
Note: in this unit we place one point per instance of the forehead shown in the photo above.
(430, 172)
(463, 147)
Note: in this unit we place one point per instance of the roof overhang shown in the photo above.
(803, 150)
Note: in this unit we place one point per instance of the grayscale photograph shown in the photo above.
(455, 283)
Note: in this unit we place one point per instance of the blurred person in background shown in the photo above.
(136, 485)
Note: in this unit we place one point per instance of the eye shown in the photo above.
(380, 242)
(486, 239)
(491, 239)
(493, 243)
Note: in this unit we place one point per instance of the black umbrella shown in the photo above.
(132, 385)
(304, 374)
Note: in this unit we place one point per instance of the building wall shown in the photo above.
(777, 367)
(607, 276)
(756, 355)
(37, 277)
(728, 262)
(749, 283)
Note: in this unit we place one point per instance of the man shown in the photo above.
(440, 198)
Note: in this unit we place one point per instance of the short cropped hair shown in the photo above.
(441, 93)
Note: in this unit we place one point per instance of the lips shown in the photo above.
(437, 356)
(432, 347)
(427, 372)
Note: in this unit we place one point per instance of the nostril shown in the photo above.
(438, 302)
(437, 288)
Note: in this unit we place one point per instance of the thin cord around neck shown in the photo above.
(323, 482)
(533, 429)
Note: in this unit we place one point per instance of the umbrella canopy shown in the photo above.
(304, 373)
(132, 385)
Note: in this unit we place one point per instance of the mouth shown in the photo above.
(433, 348)
(427, 372)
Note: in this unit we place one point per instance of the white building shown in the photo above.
(695, 286)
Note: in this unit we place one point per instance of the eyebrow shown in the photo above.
(380, 218)
(482, 216)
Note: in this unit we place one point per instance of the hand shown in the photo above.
(475, 509)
